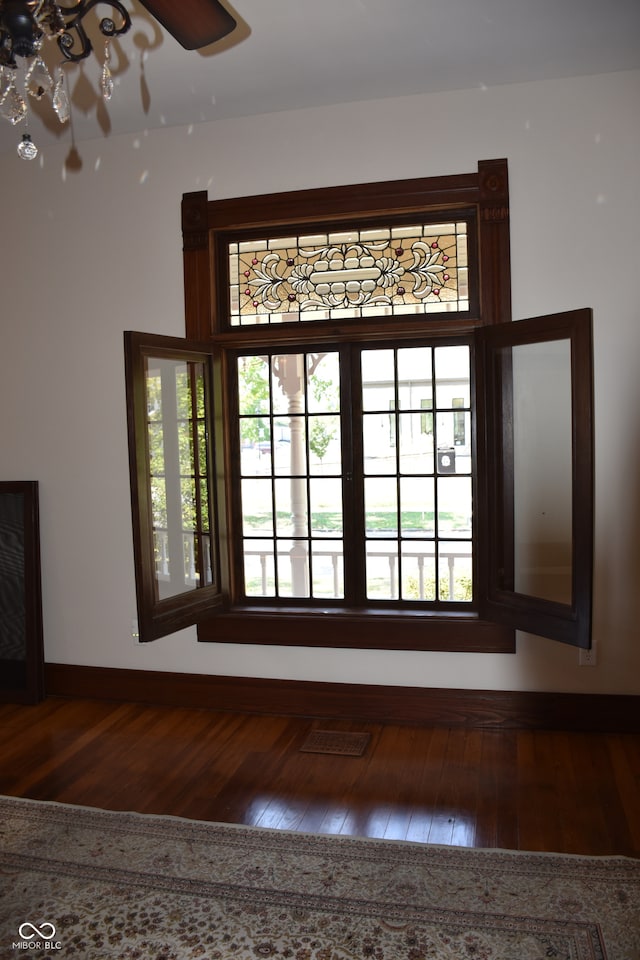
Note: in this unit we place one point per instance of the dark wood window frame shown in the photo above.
(208, 227)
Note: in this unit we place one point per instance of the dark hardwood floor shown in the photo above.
(518, 789)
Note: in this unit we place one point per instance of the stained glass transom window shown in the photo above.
(392, 271)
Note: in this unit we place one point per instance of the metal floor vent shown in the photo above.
(340, 743)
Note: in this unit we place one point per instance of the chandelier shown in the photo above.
(25, 27)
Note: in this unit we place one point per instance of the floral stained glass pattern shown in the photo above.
(393, 271)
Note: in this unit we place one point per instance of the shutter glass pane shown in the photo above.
(177, 475)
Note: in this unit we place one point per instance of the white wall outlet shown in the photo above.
(587, 658)
(135, 633)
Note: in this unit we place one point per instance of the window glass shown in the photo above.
(177, 445)
(543, 481)
(400, 270)
(417, 471)
(414, 474)
(291, 474)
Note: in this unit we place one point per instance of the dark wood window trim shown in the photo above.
(220, 610)
(207, 228)
(205, 225)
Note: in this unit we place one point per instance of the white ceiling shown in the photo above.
(289, 54)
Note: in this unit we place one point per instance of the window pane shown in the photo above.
(258, 514)
(293, 568)
(289, 447)
(278, 482)
(416, 471)
(288, 383)
(176, 438)
(418, 570)
(326, 507)
(453, 410)
(291, 507)
(255, 446)
(381, 506)
(413, 445)
(379, 442)
(543, 470)
(452, 373)
(382, 569)
(414, 377)
(324, 383)
(328, 569)
(325, 454)
(259, 568)
(455, 571)
(416, 444)
(417, 506)
(253, 386)
(454, 506)
(413, 269)
(378, 380)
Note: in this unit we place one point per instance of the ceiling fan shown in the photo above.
(194, 23)
(26, 24)
(23, 24)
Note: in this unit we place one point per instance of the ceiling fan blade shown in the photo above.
(194, 23)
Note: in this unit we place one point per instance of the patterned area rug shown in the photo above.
(97, 885)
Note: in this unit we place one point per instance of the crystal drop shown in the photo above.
(38, 80)
(13, 108)
(106, 80)
(6, 76)
(27, 149)
(106, 83)
(60, 98)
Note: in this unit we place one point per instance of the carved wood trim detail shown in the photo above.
(194, 221)
(494, 214)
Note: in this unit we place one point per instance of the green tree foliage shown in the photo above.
(253, 397)
(323, 430)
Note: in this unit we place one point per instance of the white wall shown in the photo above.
(89, 254)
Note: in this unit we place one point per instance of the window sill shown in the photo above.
(454, 632)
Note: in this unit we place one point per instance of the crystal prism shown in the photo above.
(13, 107)
(6, 76)
(38, 80)
(106, 80)
(60, 98)
(106, 83)
(27, 149)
